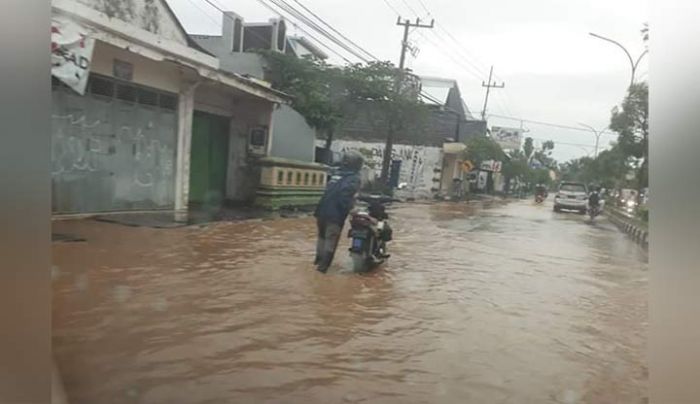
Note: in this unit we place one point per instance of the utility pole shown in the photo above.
(406, 24)
(489, 86)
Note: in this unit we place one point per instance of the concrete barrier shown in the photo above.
(637, 230)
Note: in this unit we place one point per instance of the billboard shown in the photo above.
(507, 138)
(71, 53)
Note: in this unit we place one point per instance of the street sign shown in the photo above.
(491, 165)
(507, 138)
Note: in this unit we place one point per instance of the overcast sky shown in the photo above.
(553, 70)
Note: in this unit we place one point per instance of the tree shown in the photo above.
(315, 86)
(544, 155)
(631, 122)
(608, 170)
(528, 147)
(393, 98)
(327, 95)
(481, 148)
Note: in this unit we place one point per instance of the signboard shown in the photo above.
(507, 138)
(71, 53)
(467, 166)
(482, 180)
(491, 165)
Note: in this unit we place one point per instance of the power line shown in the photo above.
(295, 25)
(555, 125)
(335, 30)
(289, 9)
(459, 55)
(411, 9)
(218, 23)
(392, 7)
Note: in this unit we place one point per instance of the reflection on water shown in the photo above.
(511, 304)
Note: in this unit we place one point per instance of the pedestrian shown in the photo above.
(335, 205)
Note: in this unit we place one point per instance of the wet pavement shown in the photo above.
(502, 303)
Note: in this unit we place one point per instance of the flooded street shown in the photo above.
(508, 303)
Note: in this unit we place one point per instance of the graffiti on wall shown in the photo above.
(79, 147)
(418, 163)
(110, 166)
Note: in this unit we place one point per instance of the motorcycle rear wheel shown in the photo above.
(360, 262)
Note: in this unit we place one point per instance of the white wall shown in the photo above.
(147, 72)
(418, 163)
(149, 15)
(293, 138)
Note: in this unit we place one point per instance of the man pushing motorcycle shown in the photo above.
(334, 207)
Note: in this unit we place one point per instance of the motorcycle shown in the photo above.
(594, 211)
(539, 198)
(370, 231)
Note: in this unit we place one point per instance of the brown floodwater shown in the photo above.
(504, 303)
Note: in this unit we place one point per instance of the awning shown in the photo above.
(125, 36)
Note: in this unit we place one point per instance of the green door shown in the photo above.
(208, 159)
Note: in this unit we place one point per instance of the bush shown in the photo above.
(643, 214)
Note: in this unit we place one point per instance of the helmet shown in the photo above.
(352, 160)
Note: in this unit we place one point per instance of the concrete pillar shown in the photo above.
(58, 393)
(270, 119)
(184, 145)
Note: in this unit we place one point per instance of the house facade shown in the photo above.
(292, 144)
(152, 121)
(425, 156)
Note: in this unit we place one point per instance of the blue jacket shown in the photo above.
(339, 197)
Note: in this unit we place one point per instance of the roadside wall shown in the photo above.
(420, 165)
(637, 230)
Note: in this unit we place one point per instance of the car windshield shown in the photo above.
(572, 188)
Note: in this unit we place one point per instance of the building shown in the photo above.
(152, 121)
(292, 147)
(424, 154)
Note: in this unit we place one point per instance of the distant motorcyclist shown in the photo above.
(334, 207)
(541, 190)
(594, 198)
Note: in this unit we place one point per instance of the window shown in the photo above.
(237, 33)
(306, 179)
(147, 97)
(298, 178)
(168, 102)
(313, 179)
(289, 178)
(126, 92)
(101, 86)
(280, 177)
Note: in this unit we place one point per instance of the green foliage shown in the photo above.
(528, 147)
(481, 148)
(609, 170)
(643, 213)
(313, 84)
(631, 122)
(325, 94)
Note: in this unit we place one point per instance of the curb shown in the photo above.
(639, 234)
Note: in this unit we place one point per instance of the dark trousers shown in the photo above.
(328, 237)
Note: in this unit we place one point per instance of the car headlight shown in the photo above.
(631, 203)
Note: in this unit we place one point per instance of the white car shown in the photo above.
(571, 196)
